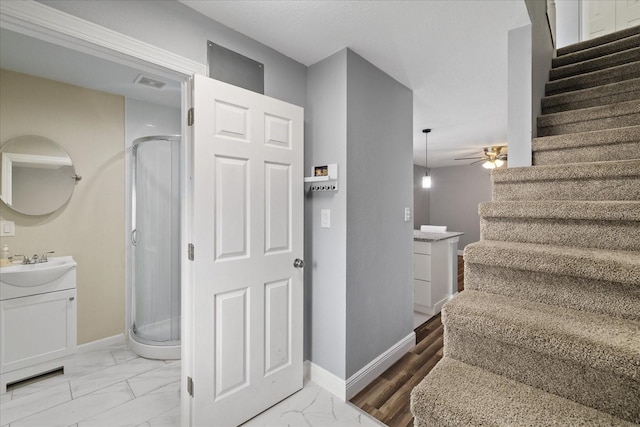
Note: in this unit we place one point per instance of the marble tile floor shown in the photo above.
(113, 387)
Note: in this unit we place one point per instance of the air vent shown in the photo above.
(149, 82)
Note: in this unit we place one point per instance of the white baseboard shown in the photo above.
(325, 379)
(345, 390)
(376, 367)
(98, 344)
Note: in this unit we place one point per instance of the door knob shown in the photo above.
(298, 263)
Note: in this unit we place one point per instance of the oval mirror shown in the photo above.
(37, 176)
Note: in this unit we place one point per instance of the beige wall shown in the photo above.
(89, 125)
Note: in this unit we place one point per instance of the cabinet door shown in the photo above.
(422, 267)
(37, 329)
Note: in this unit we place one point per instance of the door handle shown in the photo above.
(298, 263)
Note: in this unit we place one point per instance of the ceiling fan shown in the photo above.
(493, 157)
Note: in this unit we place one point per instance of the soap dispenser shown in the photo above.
(4, 256)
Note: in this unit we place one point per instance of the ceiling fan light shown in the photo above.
(426, 181)
(489, 165)
(499, 163)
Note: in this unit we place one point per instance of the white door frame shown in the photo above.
(46, 23)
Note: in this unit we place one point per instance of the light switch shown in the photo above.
(407, 214)
(7, 228)
(325, 218)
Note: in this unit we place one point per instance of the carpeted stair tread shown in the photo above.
(617, 180)
(594, 78)
(592, 97)
(563, 209)
(618, 169)
(616, 115)
(458, 394)
(589, 358)
(604, 297)
(586, 147)
(593, 224)
(593, 138)
(585, 338)
(599, 63)
(588, 263)
(606, 39)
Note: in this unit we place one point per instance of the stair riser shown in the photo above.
(596, 78)
(564, 58)
(616, 235)
(621, 300)
(551, 105)
(596, 153)
(590, 125)
(600, 63)
(578, 189)
(611, 393)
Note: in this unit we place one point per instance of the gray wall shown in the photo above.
(379, 241)
(325, 275)
(172, 26)
(530, 53)
(420, 198)
(455, 195)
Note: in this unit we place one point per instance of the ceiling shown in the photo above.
(451, 53)
(38, 58)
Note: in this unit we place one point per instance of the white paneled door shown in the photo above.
(247, 234)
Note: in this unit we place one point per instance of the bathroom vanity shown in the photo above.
(435, 270)
(37, 319)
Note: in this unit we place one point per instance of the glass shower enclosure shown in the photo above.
(155, 237)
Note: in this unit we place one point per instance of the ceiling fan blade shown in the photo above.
(469, 158)
(478, 161)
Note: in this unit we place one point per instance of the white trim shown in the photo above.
(102, 343)
(345, 390)
(460, 252)
(377, 366)
(46, 23)
(325, 379)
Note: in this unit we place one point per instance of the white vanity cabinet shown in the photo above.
(37, 328)
(435, 270)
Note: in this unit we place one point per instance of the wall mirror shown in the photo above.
(37, 176)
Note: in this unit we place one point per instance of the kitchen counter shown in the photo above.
(421, 236)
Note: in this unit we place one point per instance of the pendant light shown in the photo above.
(426, 179)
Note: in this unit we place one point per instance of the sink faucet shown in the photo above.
(44, 258)
(34, 259)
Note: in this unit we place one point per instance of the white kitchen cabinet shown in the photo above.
(435, 266)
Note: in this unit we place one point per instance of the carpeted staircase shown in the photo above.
(547, 330)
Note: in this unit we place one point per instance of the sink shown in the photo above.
(27, 275)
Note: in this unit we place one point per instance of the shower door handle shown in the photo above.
(134, 237)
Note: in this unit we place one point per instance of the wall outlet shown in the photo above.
(407, 214)
(325, 218)
(7, 228)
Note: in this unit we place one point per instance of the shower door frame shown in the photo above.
(131, 303)
(51, 25)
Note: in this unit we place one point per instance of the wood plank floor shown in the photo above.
(387, 397)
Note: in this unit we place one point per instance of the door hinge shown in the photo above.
(190, 386)
(190, 117)
(190, 250)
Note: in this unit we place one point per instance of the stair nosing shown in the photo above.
(568, 171)
(590, 263)
(598, 41)
(585, 210)
(449, 373)
(618, 109)
(584, 139)
(562, 69)
(563, 85)
(561, 334)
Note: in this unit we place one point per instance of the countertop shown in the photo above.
(421, 236)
